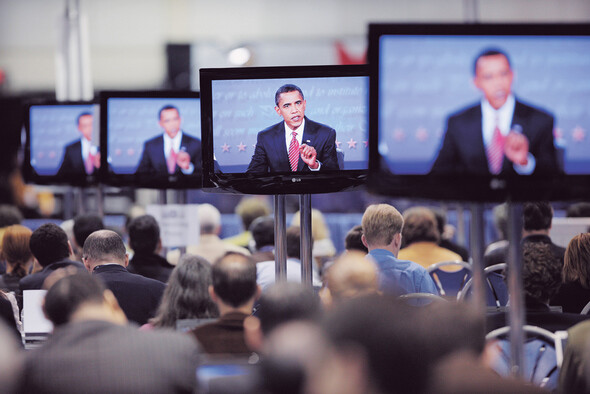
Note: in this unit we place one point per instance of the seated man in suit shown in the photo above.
(499, 135)
(51, 248)
(173, 152)
(541, 278)
(93, 350)
(298, 143)
(234, 290)
(81, 157)
(105, 257)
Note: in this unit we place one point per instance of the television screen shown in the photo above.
(480, 111)
(151, 139)
(62, 143)
(285, 130)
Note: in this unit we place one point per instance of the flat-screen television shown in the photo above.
(480, 112)
(284, 130)
(151, 139)
(62, 144)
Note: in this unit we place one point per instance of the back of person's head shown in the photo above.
(293, 235)
(576, 267)
(69, 294)
(234, 279)
(380, 223)
(500, 214)
(319, 228)
(353, 240)
(49, 244)
(284, 302)
(209, 219)
(186, 295)
(11, 359)
(84, 225)
(578, 210)
(15, 248)
(352, 275)
(104, 246)
(380, 334)
(144, 234)
(537, 215)
(9, 215)
(263, 231)
(441, 220)
(251, 208)
(541, 271)
(420, 226)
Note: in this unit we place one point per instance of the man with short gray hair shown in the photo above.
(105, 257)
(382, 235)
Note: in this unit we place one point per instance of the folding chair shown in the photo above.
(450, 283)
(496, 288)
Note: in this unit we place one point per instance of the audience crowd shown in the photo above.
(214, 319)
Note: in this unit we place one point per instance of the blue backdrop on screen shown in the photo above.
(424, 79)
(52, 127)
(132, 121)
(242, 108)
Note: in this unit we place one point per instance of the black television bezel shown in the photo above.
(165, 182)
(273, 183)
(460, 187)
(29, 173)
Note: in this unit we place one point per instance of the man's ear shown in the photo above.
(278, 110)
(212, 294)
(159, 246)
(364, 240)
(126, 260)
(397, 240)
(71, 249)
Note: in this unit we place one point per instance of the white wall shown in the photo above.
(128, 37)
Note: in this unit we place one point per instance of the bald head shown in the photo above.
(104, 247)
(234, 279)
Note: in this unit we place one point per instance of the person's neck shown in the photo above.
(101, 312)
(526, 233)
(389, 248)
(245, 308)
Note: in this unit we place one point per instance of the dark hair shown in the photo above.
(419, 225)
(144, 234)
(284, 302)
(286, 89)
(234, 278)
(166, 108)
(84, 225)
(187, 293)
(9, 215)
(541, 271)
(489, 52)
(353, 239)
(263, 231)
(68, 293)
(104, 245)
(15, 248)
(385, 329)
(578, 210)
(537, 215)
(576, 267)
(293, 235)
(49, 243)
(81, 115)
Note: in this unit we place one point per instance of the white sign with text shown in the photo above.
(179, 224)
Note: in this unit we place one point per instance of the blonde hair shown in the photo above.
(319, 229)
(352, 275)
(381, 222)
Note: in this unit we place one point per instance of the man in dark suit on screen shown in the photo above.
(173, 152)
(499, 135)
(81, 157)
(298, 143)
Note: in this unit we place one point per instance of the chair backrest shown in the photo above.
(586, 309)
(421, 299)
(496, 288)
(450, 283)
(542, 356)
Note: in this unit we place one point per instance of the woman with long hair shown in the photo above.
(18, 257)
(187, 294)
(574, 293)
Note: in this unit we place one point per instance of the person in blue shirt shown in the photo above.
(382, 227)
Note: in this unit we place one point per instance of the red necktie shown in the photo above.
(171, 161)
(88, 163)
(495, 151)
(294, 152)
